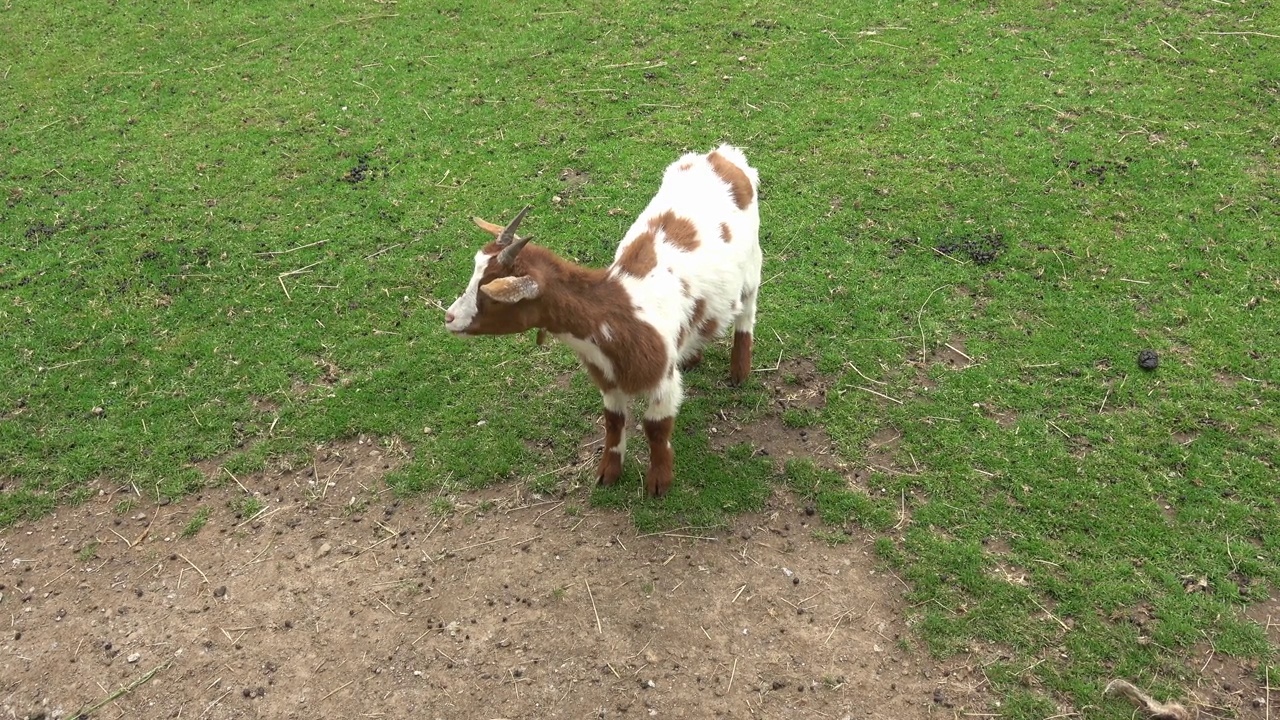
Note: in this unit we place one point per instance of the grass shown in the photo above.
(196, 523)
(234, 226)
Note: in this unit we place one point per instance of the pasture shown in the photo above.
(230, 231)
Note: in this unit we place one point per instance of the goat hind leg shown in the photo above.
(743, 329)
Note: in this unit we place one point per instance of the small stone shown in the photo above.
(220, 591)
(1148, 360)
(325, 549)
(133, 658)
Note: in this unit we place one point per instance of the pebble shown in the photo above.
(1148, 360)
(133, 658)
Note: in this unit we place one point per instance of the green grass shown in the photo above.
(196, 523)
(233, 226)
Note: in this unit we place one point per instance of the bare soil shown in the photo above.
(338, 600)
(327, 596)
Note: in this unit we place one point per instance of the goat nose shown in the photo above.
(448, 318)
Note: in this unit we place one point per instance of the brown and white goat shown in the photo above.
(687, 268)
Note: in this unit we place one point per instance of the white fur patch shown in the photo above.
(590, 353)
(463, 309)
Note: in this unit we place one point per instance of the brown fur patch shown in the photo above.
(640, 257)
(676, 231)
(725, 234)
(740, 360)
(709, 329)
(699, 311)
(734, 177)
(661, 458)
(577, 301)
(686, 166)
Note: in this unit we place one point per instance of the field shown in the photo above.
(230, 231)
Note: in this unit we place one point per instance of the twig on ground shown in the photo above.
(1046, 612)
(961, 353)
(292, 249)
(121, 692)
(125, 539)
(864, 377)
(385, 249)
(340, 687)
(197, 569)
(147, 529)
(365, 550)
(599, 629)
(1242, 32)
(233, 477)
(924, 350)
(878, 394)
(475, 545)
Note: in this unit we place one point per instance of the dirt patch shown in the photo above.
(952, 353)
(882, 449)
(1228, 686)
(787, 430)
(335, 599)
(980, 249)
(362, 171)
(1004, 418)
(573, 179)
(1267, 614)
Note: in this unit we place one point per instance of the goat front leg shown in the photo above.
(659, 419)
(615, 437)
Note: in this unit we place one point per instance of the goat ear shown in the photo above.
(512, 289)
(485, 225)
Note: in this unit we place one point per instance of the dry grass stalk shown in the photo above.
(599, 629)
(1152, 708)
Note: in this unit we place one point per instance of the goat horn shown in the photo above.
(507, 257)
(509, 232)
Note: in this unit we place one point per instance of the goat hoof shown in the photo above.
(657, 484)
(610, 470)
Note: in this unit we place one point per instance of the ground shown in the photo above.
(311, 590)
(338, 600)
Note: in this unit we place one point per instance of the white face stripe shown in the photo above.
(464, 308)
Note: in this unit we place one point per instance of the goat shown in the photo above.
(687, 267)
